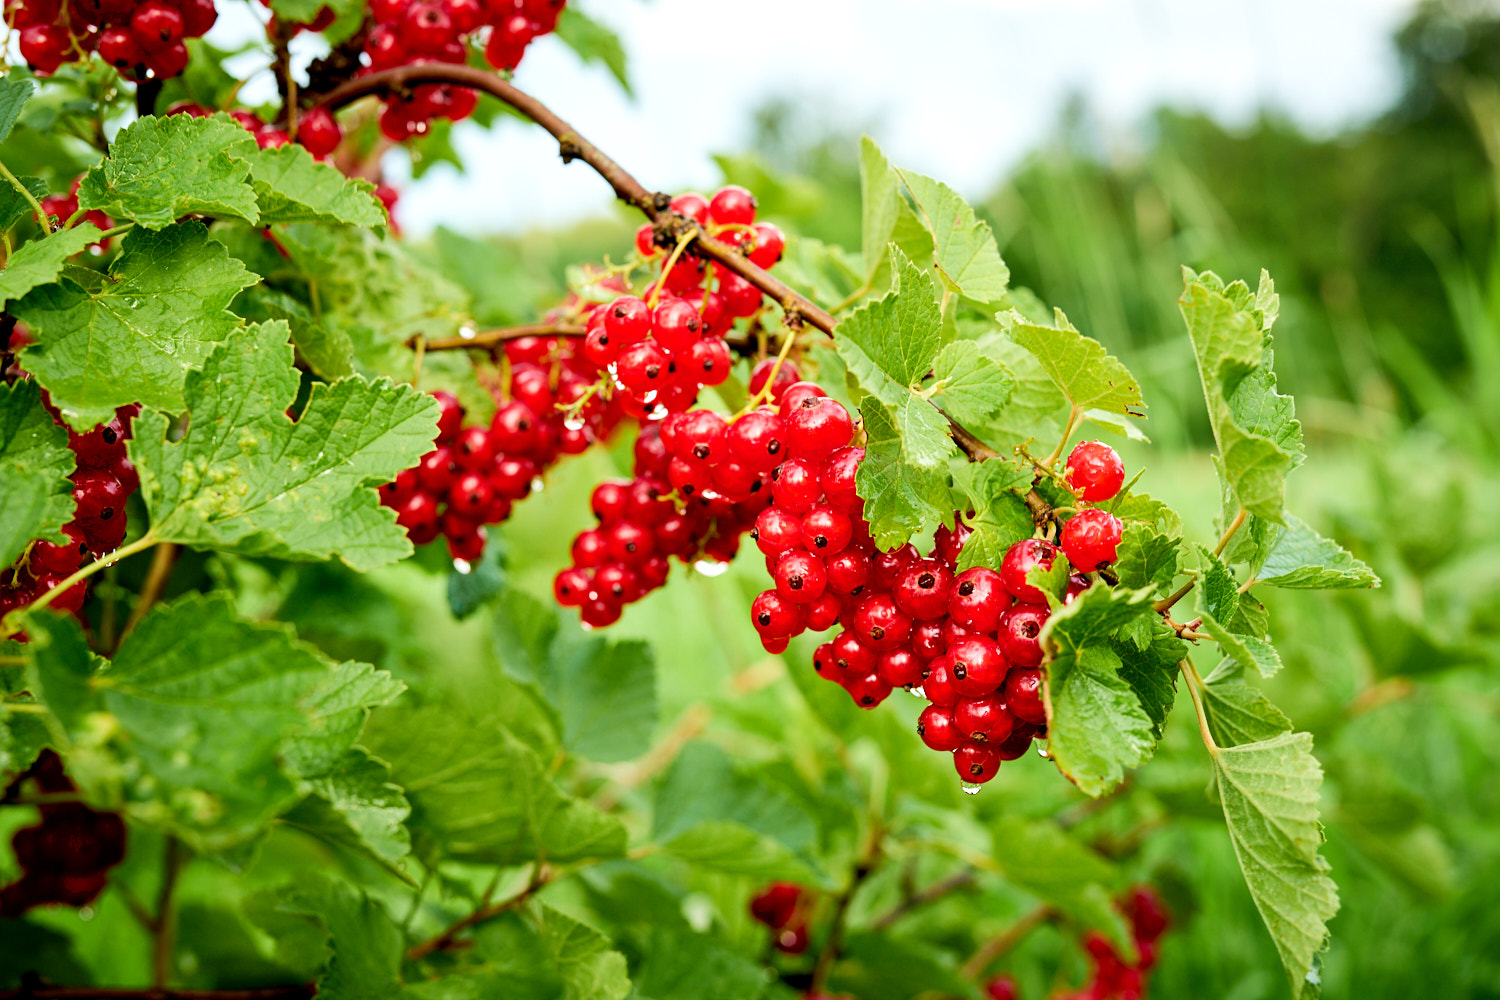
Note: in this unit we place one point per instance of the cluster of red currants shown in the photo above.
(139, 39)
(476, 473)
(1114, 978)
(640, 527)
(415, 31)
(67, 856)
(783, 907)
(103, 479)
(663, 349)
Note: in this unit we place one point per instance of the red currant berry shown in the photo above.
(732, 205)
(758, 439)
(692, 205)
(786, 375)
(450, 415)
(938, 730)
(629, 543)
(1001, 988)
(822, 614)
(700, 437)
(880, 624)
(978, 666)
(793, 395)
(899, 668)
(473, 449)
(45, 47)
(983, 720)
(800, 576)
(119, 48)
(512, 477)
(676, 326)
(599, 612)
(1023, 696)
(617, 582)
(851, 656)
(826, 531)
(776, 903)
(470, 495)
(710, 362)
(157, 24)
(868, 691)
(645, 236)
(1020, 632)
(319, 132)
(1095, 471)
(888, 566)
(837, 477)
(642, 367)
(1019, 560)
(847, 571)
(590, 548)
(1090, 539)
(976, 763)
(776, 531)
(770, 243)
(948, 544)
(775, 617)
(817, 426)
(795, 486)
(977, 599)
(419, 511)
(571, 587)
(466, 15)
(922, 590)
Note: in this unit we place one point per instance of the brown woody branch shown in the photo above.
(573, 146)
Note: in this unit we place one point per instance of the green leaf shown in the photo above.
(1088, 376)
(1146, 557)
(891, 344)
(683, 966)
(1301, 559)
(1256, 429)
(134, 336)
(1250, 652)
(971, 387)
(1269, 791)
(1096, 727)
(1239, 713)
(35, 463)
(291, 186)
(484, 794)
(13, 205)
(881, 205)
(14, 93)
(875, 966)
(245, 478)
(603, 693)
(590, 967)
(484, 579)
(161, 169)
(206, 711)
(326, 350)
(734, 849)
(966, 255)
(1048, 862)
(1149, 665)
(41, 261)
(355, 806)
(594, 43)
(365, 945)
(903, 483)
(999, 516)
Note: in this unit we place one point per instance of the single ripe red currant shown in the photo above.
(977, 599)
(880, 624)
(937, 728)
(800, 576)
(1090, 539)
(977, 664)
(1095, 471)
(817, 426)
(899, 668)
(732, 205)
(1023, 696)
(983, 720)
(922, 589)
(1021, 558)
(1020, 634)
(976, 763)
(827, 532)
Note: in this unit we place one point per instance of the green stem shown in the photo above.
(24, 707)
(1072, 425)
(36, 206)
(10, 624)
(1194, 683)
(851, 298)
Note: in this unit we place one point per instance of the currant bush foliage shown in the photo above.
(549, 786)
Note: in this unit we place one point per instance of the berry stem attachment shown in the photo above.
(36, 206)
(765, 390)
(682, 244)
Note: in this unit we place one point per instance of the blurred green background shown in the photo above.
(1383, 245)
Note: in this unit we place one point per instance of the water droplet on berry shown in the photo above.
(537, 484)
(916, 689)
(1041, 751)
(573, 424)
(462, 567)
(467, 332)
(711, 567)
(969, 787)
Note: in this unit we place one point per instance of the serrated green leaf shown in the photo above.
(14, 93)
(41, 261)
(1301, 559)
(881, 205)
(485, 795)
(966, 255)
(594, 43)
(13, 205)
(1146, 557)
(734, 849)
(365, 945)
(291, 186)
(1150, 666)
(1087, 375)
(589, 966)
(1248, 651)
(161, 169)
(1116, 423)
(159, 314)
(1269, 791)
(891, 344)
(1238, 712)
(703, 785)
(1048, 862)
(970, 387)
(355, 805)
(1140, 507)
(683, 966)
(1096, 727)
(998, 517)
(245, 478)
(902, 490)
(35, 493)
(484, 579)
(206, 710)
(1256, 429)
(324, 349)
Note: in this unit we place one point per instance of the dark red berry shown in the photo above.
(984, 720)
(976, 763)
(1020, 634)
(1090, 539)
(1019, 560)
(880, 624)
(922, 590)
(1023, 696)
(1095, 471)
(977, 599)
(977, 664)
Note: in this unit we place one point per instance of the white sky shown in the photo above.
(986, 77)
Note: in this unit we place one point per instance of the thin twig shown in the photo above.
(499, 335)
(1194, 682)
(444, 939)
(164, 938)
(1166, 604)
(920, 898)
(863, 869)
(573, 146)
(163, 560)
(1001, 944)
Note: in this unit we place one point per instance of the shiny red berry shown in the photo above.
(1095, 471)
(1019, 560)
(1090, 539)
(977, 664)
(1023, 696)
(976, 763)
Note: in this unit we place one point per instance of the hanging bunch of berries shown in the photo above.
(67, 856)
(141, 40)
(415, 31)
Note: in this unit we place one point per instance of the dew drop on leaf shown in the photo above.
(969, 787)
